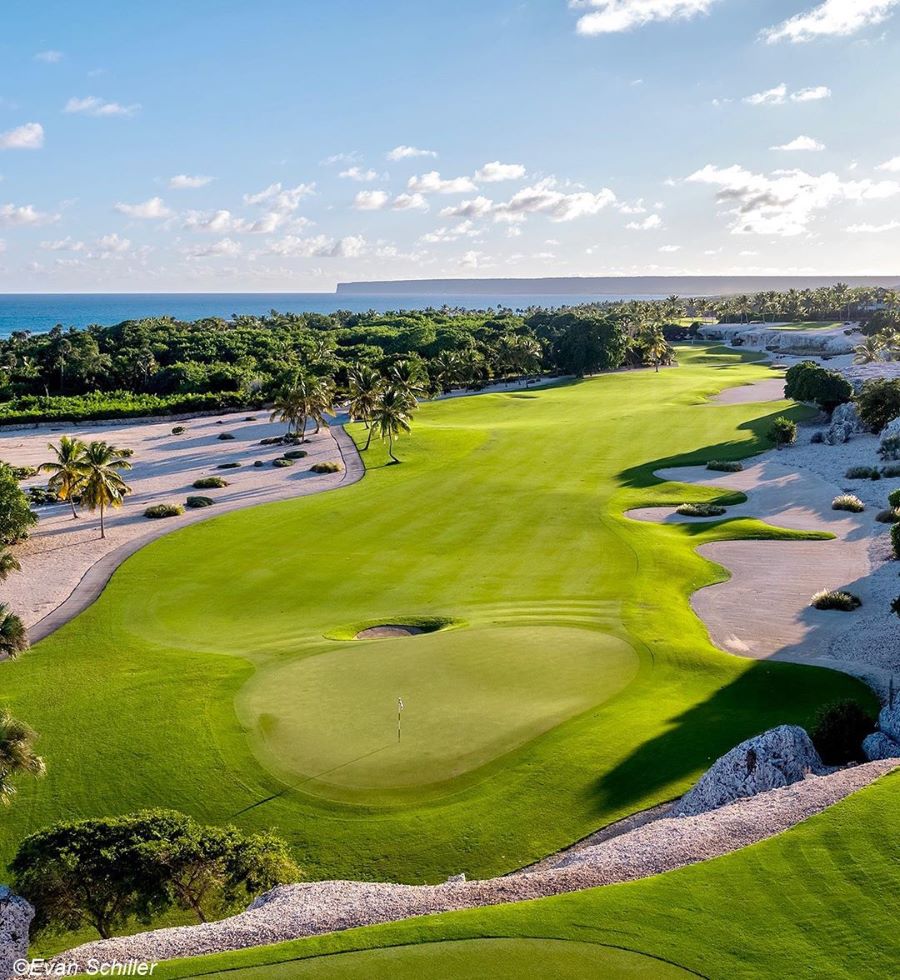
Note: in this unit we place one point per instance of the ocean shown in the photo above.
(39, 312)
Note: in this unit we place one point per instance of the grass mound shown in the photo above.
(210, 483)
(701, 510)
(159, 511)
(725, 466)
(329, 467)
(849, 502)
(194, 503)
(836, 600)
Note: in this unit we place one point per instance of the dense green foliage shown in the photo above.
(835, 600)
(808, 382)
(159, 511)
(17, 754)
(16, 515)
(879, 402)
(783, 432)
(839, 730)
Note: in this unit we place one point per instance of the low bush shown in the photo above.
(838, 732)
(225, 436)
(281, 462)
(890, 448)
(325, 468)
(272, 441)
(895, 539)
(890, 472)
(210, 483)
(700, 510)
(849, 502)
(179, 430)
(895, 609)
(836, 600)
(863, 473)
(24, 472)
(724, 466)
(249, 418)
(879, 402)
(894, 498)
(258, 463)
(196, 502)
(126, 453)
(108, 405)
(158, 511)
(817, 438)
(41, 496)
(228, 466)
(296, 454)
(808, 382)
(783, 432)
(889, 516)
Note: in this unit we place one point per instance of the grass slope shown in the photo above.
(821, 900)
(190, 683)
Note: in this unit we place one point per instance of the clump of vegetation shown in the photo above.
(272, 441)
(281, 463)
(225, 436)
(325, 468)
(783, 432)
(296, 454)
(890, 448)
(41, 496)
(102, 873)
(19, 756)
(808, 382)
(23, 472)
(13, 640)
(228, 466)
(250, 418)
(836, 600)
(258, 462)
(838, 732)
(701, 510)
(209, 483)
(158, 511)
(196, 502)
(849, 502)
(16, 515)
(890, 472)
(863, 473)
(895, 540)
(725, 466)
(179, 430)
(889, 516)
(894, 498)
(895, 609)
(878, 402)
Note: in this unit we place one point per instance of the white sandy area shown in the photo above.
(60, 550)
(770, 390)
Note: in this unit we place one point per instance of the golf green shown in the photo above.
(574, 687)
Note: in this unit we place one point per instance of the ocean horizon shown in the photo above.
(40, 312)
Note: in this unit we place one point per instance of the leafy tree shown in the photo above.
(17, 755)
(392, 416)
(16, 516)
(67, 470)
(103, 485)
(365, 384)
(583, 342)
(808, 382)
(13, 635)
(879, 402)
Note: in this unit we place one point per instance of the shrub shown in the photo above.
(817, 438)
(225, 435)
(838, 732)
(126, 453)
(228, 466)
(196, 502)
(41, 496)
(210, 483)
(325, 468)
(108, 405)
(296, 454)
(158, 511)
(272, 441)
(258, 463)
(879, 402)
(725, 466)
(783, 432)
(281, 462)
(16, 516)
(894, 498)
(895, 539)
(700, 510)
(895, 609)
(890, 448)
(837, 601)
(863, 473)
(24, 472)
(890, 472)
(849, 502)
(889, 516)
(249, 418)
(808, 382)
(179, 430)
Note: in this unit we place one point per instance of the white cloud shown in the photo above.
(320, 246)
(282, 199)
(225, 246)
(803, 144)
(113, 244)
(433, 183)
(612, 16)
(496, 171)
(463, 229)
(49, 57)
(409, 152)
(477, 207)
(352, 157)
(13, 216)
(891, 166)
(409, 202)
(153, 208)
(67, 244)
(651, 223)
(869, 229)
(813, 94)
(785, 202)
(182, 182)
(92, 106)
(27, 137)
(670, 248)
(771, 96)
(219, 222)
(474, 260)
(381, 201)
(544, 198)
(833, 18)
(358, 174)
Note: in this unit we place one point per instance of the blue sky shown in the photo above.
(279, 145)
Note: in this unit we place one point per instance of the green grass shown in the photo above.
(821, 900)
(204, 679)
(808, 325)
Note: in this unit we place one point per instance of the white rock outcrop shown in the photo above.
(889, 720)
(878, 746)
(779, 757)
(15, 919)
(848, 415)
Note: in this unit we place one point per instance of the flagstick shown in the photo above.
(399, 711)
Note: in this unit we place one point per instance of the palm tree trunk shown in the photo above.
(102, 528)
(391, 447)
(371, 430)
(72, 502)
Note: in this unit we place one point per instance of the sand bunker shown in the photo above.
(388, 631)
(770, 390)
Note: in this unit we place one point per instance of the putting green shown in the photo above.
(469, 696)
(497, 959)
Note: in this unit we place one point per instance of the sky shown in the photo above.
(286, 145)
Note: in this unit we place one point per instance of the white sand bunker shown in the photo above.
(387, 631)
(770, 390)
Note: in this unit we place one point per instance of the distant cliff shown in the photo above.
(606, 286)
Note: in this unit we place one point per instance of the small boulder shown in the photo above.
(775, 759)
(15, 919)
(848, 415)
(838, 433)
(889, 720)
(890, 431)
(878, 746)
(456, 879)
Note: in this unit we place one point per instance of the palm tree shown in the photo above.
(405, 376)
(656, 347)
(392, 416)
(8, 563)
(365, 384)
(103, 485)
(321, 400)
(17, 756)
(868, 351)
(67, 473)
(13, 635)
(290, 407)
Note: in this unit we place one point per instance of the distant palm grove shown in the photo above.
(165, 366)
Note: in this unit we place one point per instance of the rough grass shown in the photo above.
(162, 670)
